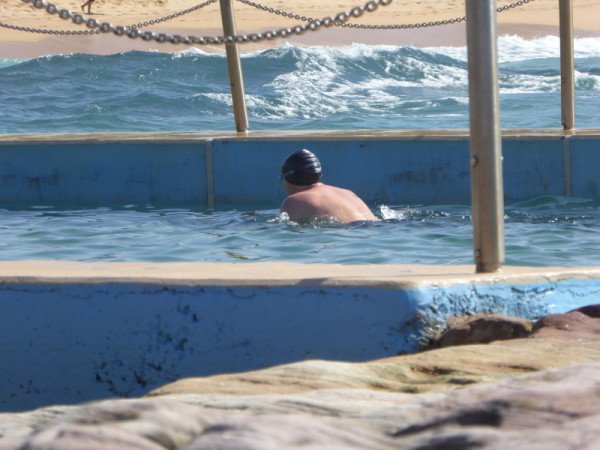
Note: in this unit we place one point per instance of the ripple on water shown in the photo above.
(545, 231)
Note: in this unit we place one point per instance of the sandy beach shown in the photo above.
(536, 18)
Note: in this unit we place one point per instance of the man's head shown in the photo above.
(301, 168)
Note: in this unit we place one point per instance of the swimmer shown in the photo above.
(308, 198)
(88, 3)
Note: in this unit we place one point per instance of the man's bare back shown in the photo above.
(309, 198)
(328, 202)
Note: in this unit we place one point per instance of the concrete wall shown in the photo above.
(73, 332)
(392, 168)
(96, 173)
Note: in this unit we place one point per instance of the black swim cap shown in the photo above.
(302, 168)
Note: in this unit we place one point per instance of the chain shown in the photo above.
(299, 29)
(87, 32)
(40, 30)
(379, 27)
(134, 33)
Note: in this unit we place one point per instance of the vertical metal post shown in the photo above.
(567, 65)
(210, 175)
(486, 150)
(234, 65)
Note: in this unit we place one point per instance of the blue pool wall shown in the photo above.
(69, 342)
(222, 171)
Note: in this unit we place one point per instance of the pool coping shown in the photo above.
(285, 135)
(265, 274)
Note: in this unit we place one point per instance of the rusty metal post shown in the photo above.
(234, 65)
(486, 149)
(567, 65)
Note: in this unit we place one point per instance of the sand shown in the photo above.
(536, 18)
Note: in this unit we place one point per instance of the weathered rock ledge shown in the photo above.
(539, 391)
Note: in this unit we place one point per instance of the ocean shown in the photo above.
(291, 88)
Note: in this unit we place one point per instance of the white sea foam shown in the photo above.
(93, 108)
(7, 62)
(192, 51)
(520, 84)
(219, 97)
(587, 81)
(587, 47)
(322, 83)
(515, 48)
(388, 213)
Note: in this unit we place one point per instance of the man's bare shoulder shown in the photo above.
(347, 193)
(300, 206)
(300, 198)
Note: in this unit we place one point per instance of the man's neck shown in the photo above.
(294, 188)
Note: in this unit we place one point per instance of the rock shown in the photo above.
(581, 322)
(481, 329)
(558, 409)
(127, 424)
(590, 311)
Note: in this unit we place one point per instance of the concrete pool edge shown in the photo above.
(79, 331)
(285, 135)
(265, 274)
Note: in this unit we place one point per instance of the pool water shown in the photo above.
(548, 231)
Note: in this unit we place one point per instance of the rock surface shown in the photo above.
(481, 329)
(537, 392)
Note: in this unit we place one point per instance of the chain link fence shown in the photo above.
(311, 23)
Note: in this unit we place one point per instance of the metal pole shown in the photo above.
(567, 65)
(234, 65)
(486, 149)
